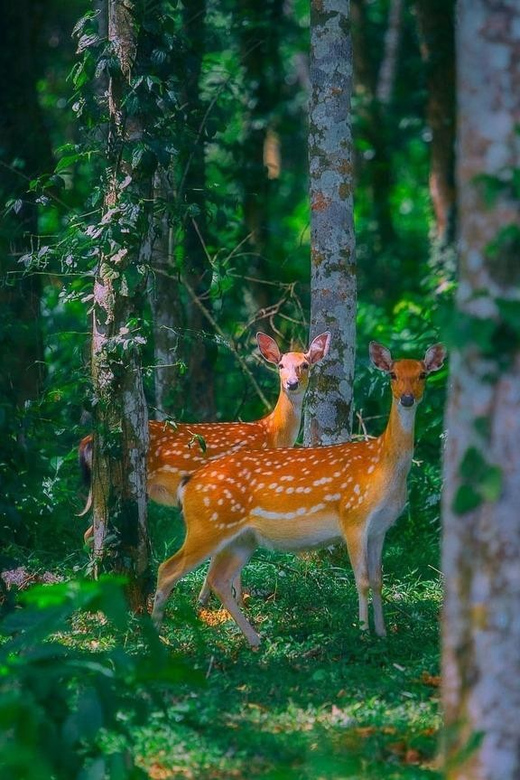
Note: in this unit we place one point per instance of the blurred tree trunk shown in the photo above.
(259, 30)
(374, 88)
(329, 410)
(165, 302)
(481, 546)
(120, 414)
(25, 154)
(199, 352)
(436, 20)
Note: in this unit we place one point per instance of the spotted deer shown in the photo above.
(302, 499)
(175, 451)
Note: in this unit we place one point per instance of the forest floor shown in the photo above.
(319, 699)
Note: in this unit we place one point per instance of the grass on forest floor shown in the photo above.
(319, 699)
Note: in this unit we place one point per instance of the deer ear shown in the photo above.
(434, 357)
(318, 348)
(380, 356)
(268, 347)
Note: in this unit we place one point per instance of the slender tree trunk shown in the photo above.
(259, 29)
(166, 304)
(199, 353)
(481, 546)
(387, 71)
(333, 269)
(371, 84)
(436, 19)
(120, 414)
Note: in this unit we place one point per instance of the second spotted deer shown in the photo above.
(175, 451)
(301, 499)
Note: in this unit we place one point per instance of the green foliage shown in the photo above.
(60, 705)
(480, 482)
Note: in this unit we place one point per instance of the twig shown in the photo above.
(362, 425)
(223, 336)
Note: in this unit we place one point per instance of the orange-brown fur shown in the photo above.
(175, 450)
(304, 498)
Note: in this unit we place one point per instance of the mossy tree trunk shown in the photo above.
(481, 546)
(120, 414)
(328, 417)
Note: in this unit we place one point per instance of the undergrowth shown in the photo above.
(318, 700)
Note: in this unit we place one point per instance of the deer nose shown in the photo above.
(292, 384)
(407, 399)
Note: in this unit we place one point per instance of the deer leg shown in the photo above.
(206, 589)
(374, 555)
(225, 569)
(192, 553)
(356, 546)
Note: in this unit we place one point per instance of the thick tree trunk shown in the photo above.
(333, 269)
(120, 414)
(481, 546)
(436, 19)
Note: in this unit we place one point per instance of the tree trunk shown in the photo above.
(328, 417)
(370, 83)
(436, 20)
(481, 545)
(259, 30)
(120, 414)
(166, 304)
(199, 352)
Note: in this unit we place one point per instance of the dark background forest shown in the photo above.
(237, 210)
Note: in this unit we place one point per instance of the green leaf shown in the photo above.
(66, 162)
(473, 466)
(491, 484)
(200, 441)
(466, 499)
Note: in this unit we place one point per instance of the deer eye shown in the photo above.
(393, 375)
(280, 364)
(423, 375)
(305, 366)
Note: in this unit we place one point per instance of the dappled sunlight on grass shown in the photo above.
(319, 698)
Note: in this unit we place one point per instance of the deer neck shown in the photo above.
(283, 424)
(398, 438)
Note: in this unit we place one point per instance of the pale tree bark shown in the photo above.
(328, 416)
(120, 414)
(481, 545)
(166, 303)
(385, 85)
